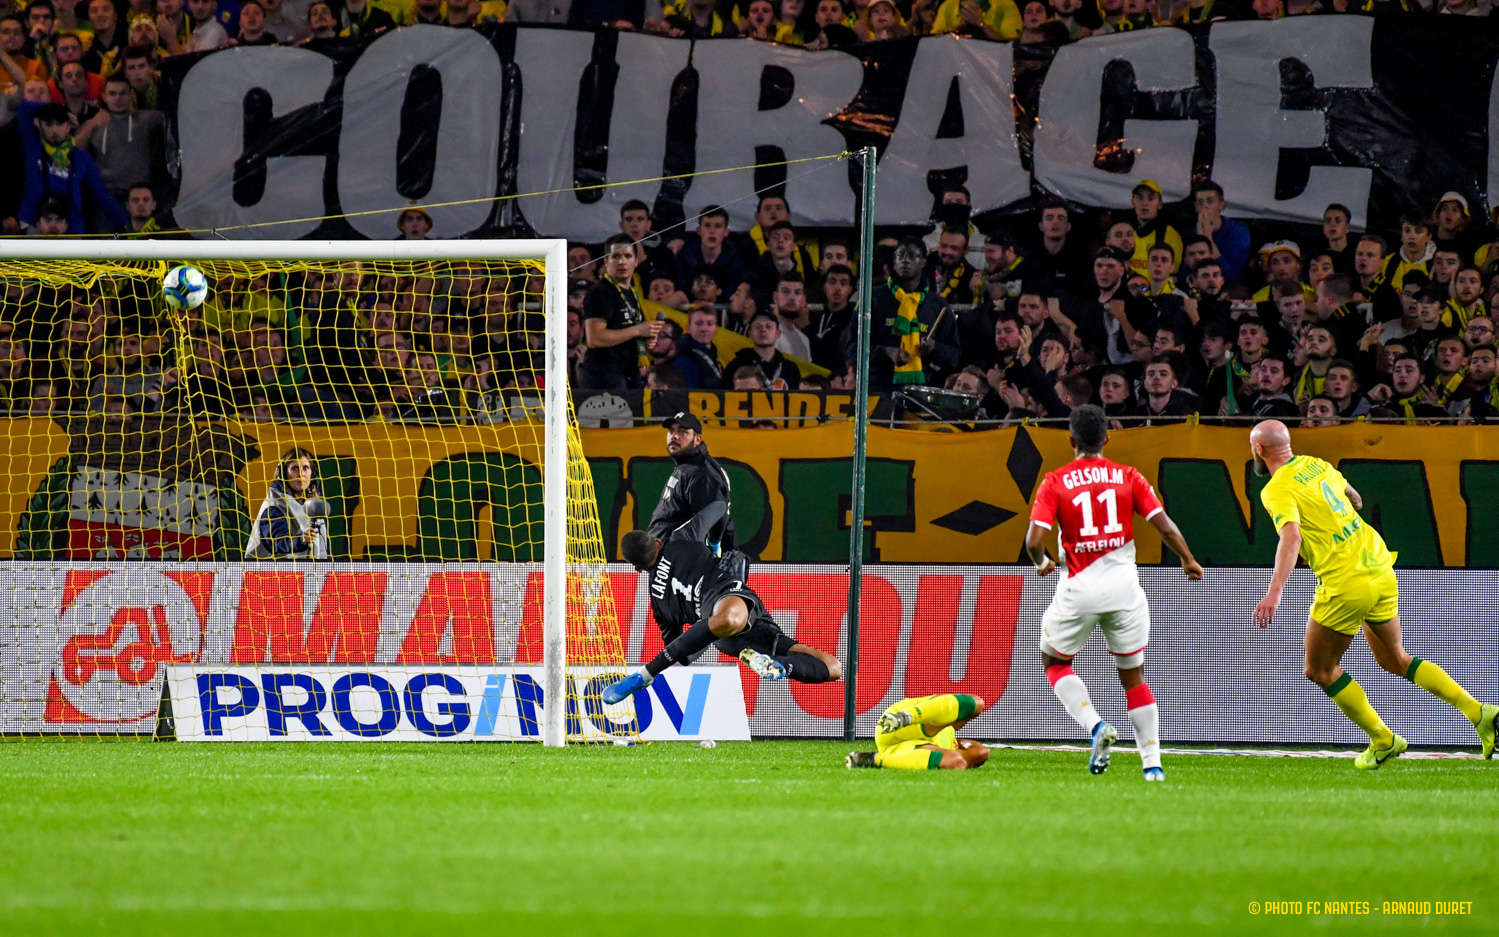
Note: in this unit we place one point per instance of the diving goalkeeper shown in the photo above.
(700, 599)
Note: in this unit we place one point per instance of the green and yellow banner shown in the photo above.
(473, 492)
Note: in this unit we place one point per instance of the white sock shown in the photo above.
(1146, 719)
(646, 675)
(1073, 693)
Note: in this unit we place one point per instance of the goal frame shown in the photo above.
(552, 252)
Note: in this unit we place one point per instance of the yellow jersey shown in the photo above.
(1335, 542)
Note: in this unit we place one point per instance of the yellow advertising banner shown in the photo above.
(473, 492)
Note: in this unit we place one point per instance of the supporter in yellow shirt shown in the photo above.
(996, 19)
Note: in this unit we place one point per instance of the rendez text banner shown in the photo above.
(1377, 113)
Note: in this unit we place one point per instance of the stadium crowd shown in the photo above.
(1157, 312)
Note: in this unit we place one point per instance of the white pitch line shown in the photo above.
(1253, 752)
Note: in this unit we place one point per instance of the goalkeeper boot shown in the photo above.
(860, 760)
(1154, 774)
(763, 664)
(1104, 737)
(895, 721)
(618, 691)
(1371, 758)
(1486, 728)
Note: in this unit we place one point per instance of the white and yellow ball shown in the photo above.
(184, 287)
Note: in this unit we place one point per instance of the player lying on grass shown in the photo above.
(692, 587)
(1315, 510)
(921, 734)
(1092, 503)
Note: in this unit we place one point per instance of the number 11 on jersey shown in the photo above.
(1109, 498)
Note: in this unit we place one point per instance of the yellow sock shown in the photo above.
(916, 759)
(1350, 698)
(1434, 680)
(943, 710)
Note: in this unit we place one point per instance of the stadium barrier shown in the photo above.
(433, 493)
(86, 646)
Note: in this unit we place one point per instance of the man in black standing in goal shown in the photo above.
(697, 489)
(699, 599)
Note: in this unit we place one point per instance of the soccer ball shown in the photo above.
(184, 287)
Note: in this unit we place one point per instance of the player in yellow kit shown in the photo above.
(1315, 511)
(921, 733)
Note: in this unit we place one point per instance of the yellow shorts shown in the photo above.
(1374, 598)
(898, 742)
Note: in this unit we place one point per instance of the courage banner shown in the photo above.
(1377, 113)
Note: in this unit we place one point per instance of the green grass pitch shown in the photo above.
(763, 837)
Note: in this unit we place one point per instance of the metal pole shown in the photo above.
(861, 429)
(554, 506)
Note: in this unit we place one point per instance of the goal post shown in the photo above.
(568, 510)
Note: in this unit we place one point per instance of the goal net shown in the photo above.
(344, 498)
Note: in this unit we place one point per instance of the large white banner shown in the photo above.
(444, 704)
(84, 647)
(1377, 114)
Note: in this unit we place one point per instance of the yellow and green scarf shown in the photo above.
(61, 155)
(1447, 388)
(908, 327)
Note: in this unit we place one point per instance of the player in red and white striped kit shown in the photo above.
(1091, 502)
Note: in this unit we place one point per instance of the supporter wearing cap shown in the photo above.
(414, 224)
(1150, 228)
(880, 20)
(1454, 228)
(1281, 261)
(992, 19)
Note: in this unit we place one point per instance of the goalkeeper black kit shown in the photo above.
(695, 486)
(687, 582)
